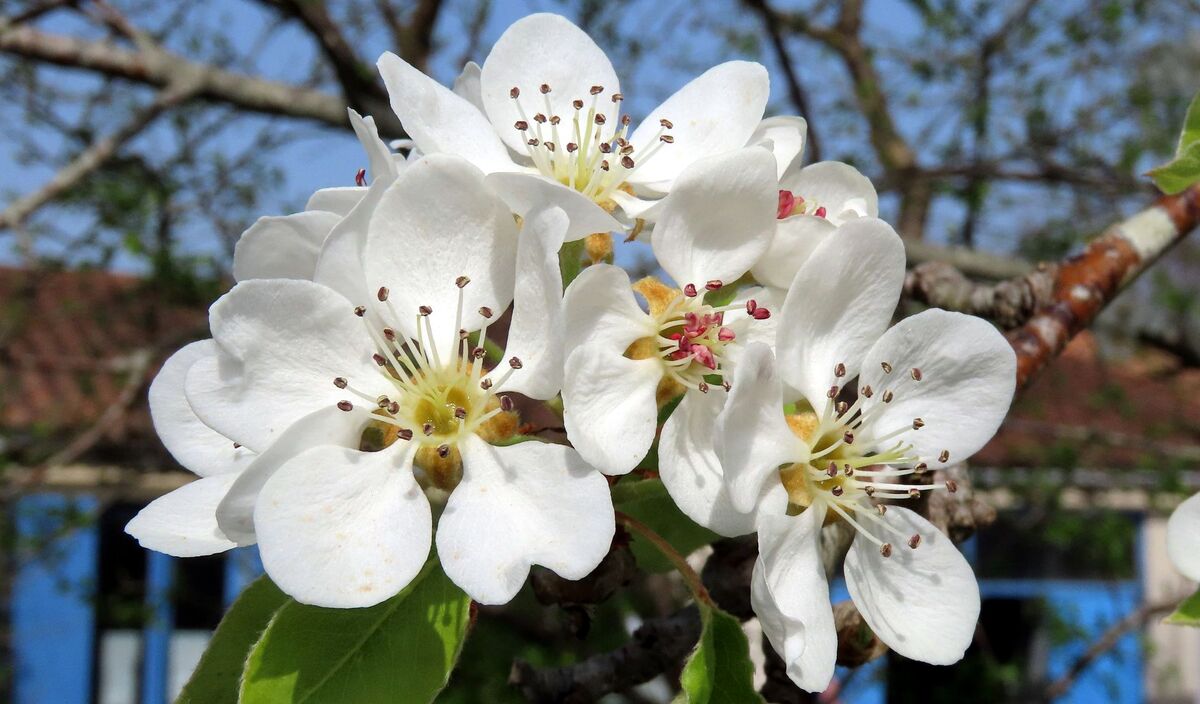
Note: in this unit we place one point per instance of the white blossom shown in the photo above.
(1183, 537)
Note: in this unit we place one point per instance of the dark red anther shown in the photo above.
(690, 290)
(360, 178)
(820, 212)
(787, 202)
(714, 285)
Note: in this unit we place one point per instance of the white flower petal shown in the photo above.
(379, 158)
(786, 135)
(468, 87)
(535, 333)
(282, 246)
(840, 303)
(1183, 538)
(968, 377)
(327, 426)
(719, 217)
(839, 188)
(183, 523)
(193, 444)
(922, 602)
(690, 469)
(527, 193)
(747, 329)
(635, 208)
(753, 438)
(340, 199)
(793, 243)
(282, 343)
(340, 264)
(716, 112)
(527, 504)
(438, 222)
(790, 595)
(544, 49)
(439, 121)
(609, 407)
(602, 312)
(342, 528)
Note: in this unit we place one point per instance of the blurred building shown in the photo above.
(1082, 478)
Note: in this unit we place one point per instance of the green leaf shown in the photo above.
(647, 501)
(1179, 173)
(1184, 170)
(570, 261)
(1188, 613)
(719, 669)
(400, 650)
(216, 678)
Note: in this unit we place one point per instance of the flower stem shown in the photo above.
(690, 578)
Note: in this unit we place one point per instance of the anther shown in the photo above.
(340, 382)
(944, 457)
(848, 471)
(460, 412)
(383, 401)
(726, 335)
(848, 437)
(833, 391)
(831, 470)
(443, 451)
(885, 549)
(595, 90)
(617, 97)
(533, 142)
(882, 509)
(726, 385)
(760, 314)
(837, 491)
(514, 93)
(690, 290)
(463, 334)
(887, 368)
(539, 118)
(345, 406)
(393, 408)
(555, 119)
(462, 281)
(572, 147)
(918, 424)
(625, 120)
(703, 386)
(820, 212)
(382, 293)
(914, 493)
(915, 374)
(627, 162)
(869, 490)
(425, 310)
(379, 359)
(887, 397)
(605, 148)
(360, 178)
(714, 285)
(626, 148)
(951, 486)
(360, 311)
(666, 123)
(577, 104)
(545, 88)
(236, 445)
(550, 146)
(521, 125)
(842, 407)
(867, 391)
(506, 403)
(604, 165)
(914, 541)
(478, 353)
(666, 139)
(405, 434)
(389, 333)
(427, 428)
(600, 119)
(485, 384)
(515, 363)
(921, 468)
(840, 370)
(485, 312)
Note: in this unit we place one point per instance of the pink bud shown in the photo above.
(787, 201)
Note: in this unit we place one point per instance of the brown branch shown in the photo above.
(968, 261)
(1009, 303)
(1106, 642)
(94, 156)
(783, 57)
(161, 68)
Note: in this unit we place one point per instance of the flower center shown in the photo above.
(436, 401)
(585, 153)
(691, 338)
(851, 461)
(791, 204)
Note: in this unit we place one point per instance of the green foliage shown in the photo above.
(216, 678)
(647, 501)
(1188, 613)
(719, 669)
(570, 261)
(1184, 170)
(399, 651)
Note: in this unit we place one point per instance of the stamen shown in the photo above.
(344, 405)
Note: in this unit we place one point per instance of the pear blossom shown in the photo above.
(287, 246)
(622, 363)
(1183, 537)
(363, 409)
(546, 123)
(930, 390)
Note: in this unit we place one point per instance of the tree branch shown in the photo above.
(162, 67)
(95, 155)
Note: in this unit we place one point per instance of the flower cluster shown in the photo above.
(352, 411)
